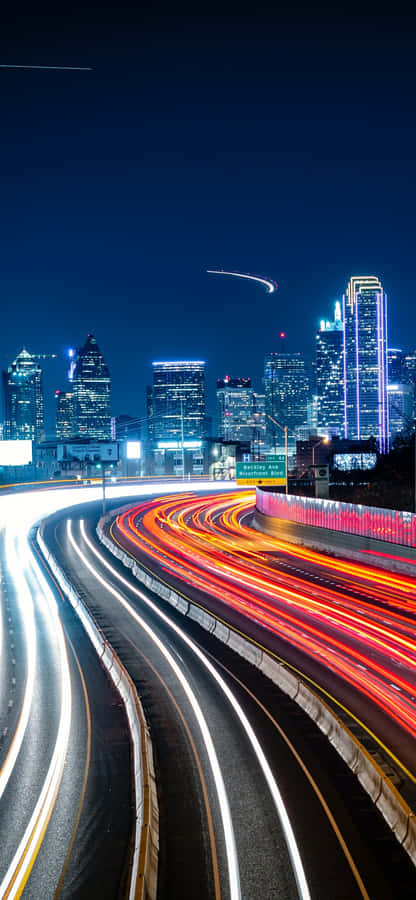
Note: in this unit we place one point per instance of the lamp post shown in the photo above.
(284, 428)
(324, 440)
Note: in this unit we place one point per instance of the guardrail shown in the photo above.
(143, 876)
(375, 782)
(391, 525)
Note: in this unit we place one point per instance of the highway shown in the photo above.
(350, 628)
(66, 812)
(332, 819)
(253, 800)
(62, 757)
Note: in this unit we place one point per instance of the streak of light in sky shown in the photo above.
(61, 68)
(271, 285)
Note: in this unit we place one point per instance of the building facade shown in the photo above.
(329, 374)
(234, 408)
(400, 399)
(64, 415)
(91, 388)
(286, 388)
(364, 314)
(178, 401)
(23, 399)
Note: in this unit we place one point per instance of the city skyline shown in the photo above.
(56, 376)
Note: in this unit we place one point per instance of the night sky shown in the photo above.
(267, 144)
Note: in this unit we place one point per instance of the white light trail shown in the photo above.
(271, 285)
(14, 555)
(25, 855)
(234, 877)
(297, 864)
(59, 68)
(18, 513)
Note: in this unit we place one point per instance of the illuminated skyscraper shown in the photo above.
(364, 313)
(65, 420)
(178, 400)
(23, 399)
(329, 374)
(286, 387)
(234, 409)
(91, 390)
(400, 398)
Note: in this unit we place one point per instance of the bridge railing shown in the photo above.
(395, 526)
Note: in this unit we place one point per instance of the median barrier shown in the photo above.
(409, 842)
(145, 851)
(377, 785)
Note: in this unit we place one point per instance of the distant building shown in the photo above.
(259, 439)
(91, 388)
(241, 413)
(149, 411)
(23, 399)
(126, 428)
(286, 388)
(395, 364)
(177, 401)
(400, 399)
(234, 409)
(329, 374)
(64, 415)
(364, 313)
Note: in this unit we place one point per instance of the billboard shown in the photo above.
(15, 453)
(133, 450)
(105, 451)
(348, 461)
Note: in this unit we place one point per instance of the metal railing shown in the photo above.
(394, 526)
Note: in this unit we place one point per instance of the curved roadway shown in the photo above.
(341, 837)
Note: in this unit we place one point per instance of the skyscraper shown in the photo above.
(286, 387)
(364, 313)
(178, 400)
(400, 398)
(64, 415)
(23, 399)
(329, 374)
(91, 389)
(234, 409)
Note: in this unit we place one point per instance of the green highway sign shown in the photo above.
(269, 472)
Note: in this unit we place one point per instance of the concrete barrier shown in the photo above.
(145, 852)
(377, 785)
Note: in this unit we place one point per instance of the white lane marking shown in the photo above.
(302, 885)
(25, 602)
(231, 851)
(26, 852)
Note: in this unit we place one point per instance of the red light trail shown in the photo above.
(359, 622)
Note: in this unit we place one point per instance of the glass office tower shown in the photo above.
(329, 374)
(178, 400)
(91, 389)
(64, 417)
(23, 399)
(234, 409)
(364, 313)
(286, 388)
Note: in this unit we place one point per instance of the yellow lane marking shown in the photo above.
(85, 780)
(310, 778)
(275, 656)
(35, 849)
(37, 846)
(210, 823)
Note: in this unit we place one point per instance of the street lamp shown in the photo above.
(284, 428)
(324, 440)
